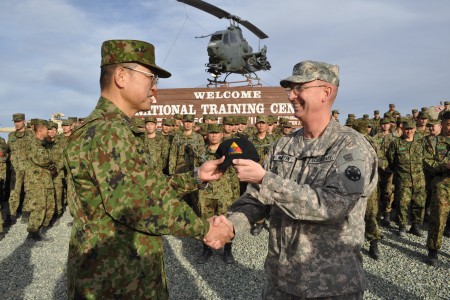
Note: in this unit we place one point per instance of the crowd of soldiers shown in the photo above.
(413, 155)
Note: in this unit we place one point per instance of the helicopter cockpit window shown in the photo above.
(233, 38)
(226, 38)
(216, 37)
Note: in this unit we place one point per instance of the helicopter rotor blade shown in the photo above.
(254, 29)
(221, 14)
(209, 8)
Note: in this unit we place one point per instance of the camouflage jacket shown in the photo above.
(122, 210)
(17, 143)
(436, 158)
(56, 155)
(406, 161)
(4, 155)
(262, 145)
(186, 152)
(382, 143)
(315, 196)
(39, 166)
(158, 150)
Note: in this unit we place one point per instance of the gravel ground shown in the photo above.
(28, 272)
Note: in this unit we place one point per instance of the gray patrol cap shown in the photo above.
(307, 71)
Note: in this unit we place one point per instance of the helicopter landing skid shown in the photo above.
(249, 81)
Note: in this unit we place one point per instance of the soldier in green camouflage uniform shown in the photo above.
(372, 230)
(55, 145)
(376, 125)
(156, 145)
(228, 124)
(405, 157)
(186, 153)
(4, 155)
(437, 163)
(422, 129)
(261, 140)
(385, 185)
(17, 142)
(122, 207)
(446, 108)
(39, 172)
(218, 195)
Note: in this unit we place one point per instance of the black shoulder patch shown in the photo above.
(353, 173)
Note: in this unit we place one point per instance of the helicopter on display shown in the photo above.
(228, 50)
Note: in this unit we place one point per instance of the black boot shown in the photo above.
(39, 237)
(402, 231)
(10, 220)
(227, 255)
(373, 250)
(206, 254)
(386, 222)
(2, 235)
(432, 258)
(25, 217)
(415, 229)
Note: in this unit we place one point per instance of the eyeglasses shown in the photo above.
(298, 88)
(153, 77)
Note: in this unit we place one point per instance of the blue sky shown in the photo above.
(388, 51)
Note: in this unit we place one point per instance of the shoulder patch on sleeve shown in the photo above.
(351, 169)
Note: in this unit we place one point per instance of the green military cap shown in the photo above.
(131, 51)
(424, 115)
(18, 117)
(349, 121)
(188, 118)
(228, 120)
(446, 102)
(52, 124)
(72, 119)
(262, 119)
(214, 128)
(365, 116)
(65, 122)
(360, 125)
(270, 120)
(433, 122)
(283, 120)
(206, 117)
(150, 119)
(335, 111)
(28, 124)
(385, 120)
(415, 110)
(391, 105)
(409, 124)
(351, 115)
(376, 112)
(307, 71)
(178, 116)
(424, 109)
(167, 122)
(138, 122)
(243, 120)
(236, 120)
(39, 122)
(80, 119)
(214, 117)
(397, 113)
(33, 121)
(287, 124)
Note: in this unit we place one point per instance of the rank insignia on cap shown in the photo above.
(353, 173)
(234, 149)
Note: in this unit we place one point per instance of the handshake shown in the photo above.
(221, 231)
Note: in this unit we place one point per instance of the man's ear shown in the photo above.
(120, 77)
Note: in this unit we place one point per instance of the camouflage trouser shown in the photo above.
(439, 211)
(405, 196)
(58, 198)
(70, 196)
(42, 208)
(386, 188)
(271, 292)
(210, 206)
(373, 231)
(16, 186)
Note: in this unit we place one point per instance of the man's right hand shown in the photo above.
(221, 231)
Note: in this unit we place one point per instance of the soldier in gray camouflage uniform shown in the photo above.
(315, 183)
